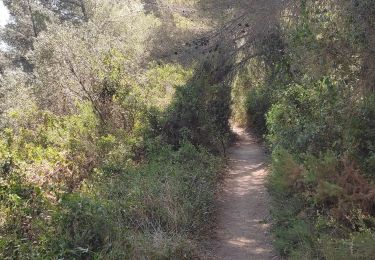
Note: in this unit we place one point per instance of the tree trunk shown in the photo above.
(32, 19)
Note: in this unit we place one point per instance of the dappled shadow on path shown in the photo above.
(243, 206)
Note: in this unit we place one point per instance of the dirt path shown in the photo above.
(243, 205)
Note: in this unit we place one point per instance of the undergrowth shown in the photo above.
(316, 218)
(157, 209)
(137, 183)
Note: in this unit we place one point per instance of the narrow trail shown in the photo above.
(243, 205)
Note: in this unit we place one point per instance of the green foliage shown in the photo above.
(260, 83)
(82, 227)
(365, 133)
(360, 245)
(291, 229)
(106, 153)
(200, 113)
(284, 172)
(258, 103)
(99, 181)
(68, 191)
(316, 215)
(44, 158)
(311, 118)
(250, 79)
(162, 82)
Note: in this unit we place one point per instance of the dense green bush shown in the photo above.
(258, 103)
(317, 213)
(116, 209)
(365, 134)
(312, 118)
(199, 113)
(151, 210)
(128, 186)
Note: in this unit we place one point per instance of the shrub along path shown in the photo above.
(243, 205)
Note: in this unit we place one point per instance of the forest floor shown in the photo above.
(242, 230)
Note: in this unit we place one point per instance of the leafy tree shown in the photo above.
(28, 19)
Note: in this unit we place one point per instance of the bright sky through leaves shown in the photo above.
(4, 14)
